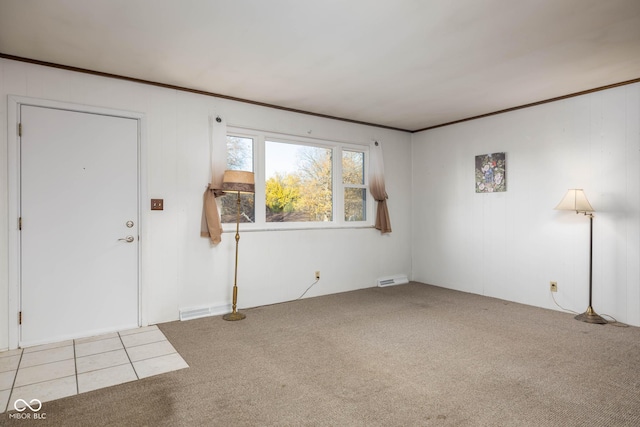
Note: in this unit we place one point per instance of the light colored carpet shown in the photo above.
(411, 355)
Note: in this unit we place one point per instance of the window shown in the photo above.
(298, 185)
(239, 157)
(355, 191)
(303, 182)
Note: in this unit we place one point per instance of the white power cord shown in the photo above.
(311, 286)
(613, 322)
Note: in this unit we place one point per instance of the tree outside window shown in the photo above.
(355, 191)
(302, 190)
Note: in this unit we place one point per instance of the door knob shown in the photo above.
(127, 239)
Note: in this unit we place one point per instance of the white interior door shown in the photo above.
(79, 190)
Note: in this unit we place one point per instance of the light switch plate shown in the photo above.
(157, 204)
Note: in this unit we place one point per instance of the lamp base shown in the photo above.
(590, 316)
(234, 316)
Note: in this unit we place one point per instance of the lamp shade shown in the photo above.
(241, 181)
(575, 200)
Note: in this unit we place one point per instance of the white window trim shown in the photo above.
(259, 137)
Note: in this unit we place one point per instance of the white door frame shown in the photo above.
(14, 250)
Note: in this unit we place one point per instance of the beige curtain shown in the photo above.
(210, 224)
(376, 186)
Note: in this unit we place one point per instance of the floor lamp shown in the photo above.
(238, 182)
(576, 200)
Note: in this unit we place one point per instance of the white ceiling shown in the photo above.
(407, 64)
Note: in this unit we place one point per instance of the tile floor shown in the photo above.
(52, 371)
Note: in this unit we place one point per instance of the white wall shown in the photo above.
(510, 245)
(181, 269)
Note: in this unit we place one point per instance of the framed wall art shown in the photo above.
(491, 173)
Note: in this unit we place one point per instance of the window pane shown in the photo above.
(298, 184)
(355, 204)
(239, 157)
(239, 153)
(352, 167)
(229, 207)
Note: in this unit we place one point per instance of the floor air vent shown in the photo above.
(399, 279)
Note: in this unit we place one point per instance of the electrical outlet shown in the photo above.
(317, 275)
(553, 286)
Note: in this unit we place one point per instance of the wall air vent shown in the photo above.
(195, 313)
(398, 279)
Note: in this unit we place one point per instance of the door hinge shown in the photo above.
(20, 223)
(20, 318)
(19, 129)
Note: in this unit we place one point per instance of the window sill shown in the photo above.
(245, 228)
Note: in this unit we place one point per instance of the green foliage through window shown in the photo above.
(303, 192)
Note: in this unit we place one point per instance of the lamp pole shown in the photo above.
(234, 315)
(590, 316)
